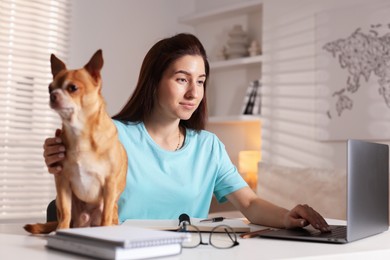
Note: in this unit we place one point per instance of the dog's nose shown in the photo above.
(53, 97)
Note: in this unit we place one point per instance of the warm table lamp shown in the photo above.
(247, 166)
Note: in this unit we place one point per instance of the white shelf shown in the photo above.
(236, 62)
(236, 9)
(234, 119)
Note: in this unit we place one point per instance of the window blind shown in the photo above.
(30, 30)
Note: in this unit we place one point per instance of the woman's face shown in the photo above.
(181, 88)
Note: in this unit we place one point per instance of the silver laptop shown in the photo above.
(367, 198)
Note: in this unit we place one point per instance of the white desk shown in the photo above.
(16, 244)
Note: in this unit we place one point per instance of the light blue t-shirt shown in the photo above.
(164, 184)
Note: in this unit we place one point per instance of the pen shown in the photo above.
(216, 219)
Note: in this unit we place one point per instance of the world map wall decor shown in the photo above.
(353, 72)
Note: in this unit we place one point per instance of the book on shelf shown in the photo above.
(238, 225)
(117, 242)
(252, 99)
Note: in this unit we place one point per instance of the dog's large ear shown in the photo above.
(95, 64)
(56, 65)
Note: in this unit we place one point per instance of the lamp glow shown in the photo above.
(247, 166)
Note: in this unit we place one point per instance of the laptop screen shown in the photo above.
(368, 193)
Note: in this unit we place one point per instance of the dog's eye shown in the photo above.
(72, 88)
(50, 88)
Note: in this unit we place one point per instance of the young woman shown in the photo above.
(175, 166)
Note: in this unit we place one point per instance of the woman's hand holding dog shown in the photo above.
(54, 153)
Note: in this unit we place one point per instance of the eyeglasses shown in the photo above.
(221, 236)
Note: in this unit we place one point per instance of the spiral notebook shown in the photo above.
(117, 242)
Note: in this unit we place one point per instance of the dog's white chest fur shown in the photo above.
(87, 176)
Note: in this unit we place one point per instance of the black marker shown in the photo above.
(217, 219)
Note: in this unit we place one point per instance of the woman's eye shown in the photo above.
(72, 88)
(200, 82)
(182, 80)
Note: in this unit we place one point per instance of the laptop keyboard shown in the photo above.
(335, 232)
(338, 232)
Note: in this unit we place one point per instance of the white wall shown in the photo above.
(289, 119)
(125, 30)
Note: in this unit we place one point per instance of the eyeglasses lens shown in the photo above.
(223, 237)
(193, 237)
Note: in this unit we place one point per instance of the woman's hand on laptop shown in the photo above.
(304, 215)
(54, 153)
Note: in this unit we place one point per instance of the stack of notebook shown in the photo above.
(117, 242)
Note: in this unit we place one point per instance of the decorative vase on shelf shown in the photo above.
(254, 48)
(237, 44)
(222, 53)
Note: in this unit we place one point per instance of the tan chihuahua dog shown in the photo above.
(95, 165)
